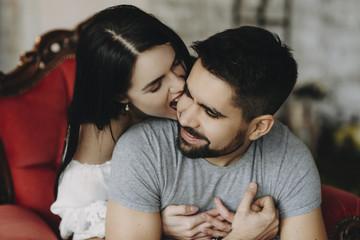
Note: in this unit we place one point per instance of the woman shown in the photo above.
(129, 66)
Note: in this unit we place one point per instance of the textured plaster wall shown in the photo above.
(325, 34)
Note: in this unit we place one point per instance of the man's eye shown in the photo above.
(211, 114)
(186, 91)
(156, 88)
(182, 76)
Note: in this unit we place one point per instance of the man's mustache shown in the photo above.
(194, 133)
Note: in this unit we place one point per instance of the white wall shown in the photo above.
(21, 21)
(325, 34)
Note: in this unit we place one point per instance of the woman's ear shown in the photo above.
(121, 98)
(260, 126)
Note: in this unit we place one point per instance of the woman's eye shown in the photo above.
(179, 71)
(156, 88)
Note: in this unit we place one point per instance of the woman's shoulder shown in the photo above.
(150, 127)
(80, 169)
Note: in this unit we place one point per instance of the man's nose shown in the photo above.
(189, 116)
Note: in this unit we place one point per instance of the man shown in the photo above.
(227, 137)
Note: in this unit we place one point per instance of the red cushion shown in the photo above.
(337, 204)
(33, 128)
(18, 223)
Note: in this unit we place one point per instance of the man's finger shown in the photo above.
(180, 210)
(223, 211)
(266, 203)
(216, 223)
(256, 208)
(248, 197)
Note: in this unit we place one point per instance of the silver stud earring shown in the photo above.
(127, 107)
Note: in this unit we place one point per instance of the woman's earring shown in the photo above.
(127, 107)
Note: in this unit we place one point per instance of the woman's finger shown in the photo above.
(180, 210)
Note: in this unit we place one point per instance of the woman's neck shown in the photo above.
(96, 146)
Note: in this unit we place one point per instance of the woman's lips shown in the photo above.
(174, 102)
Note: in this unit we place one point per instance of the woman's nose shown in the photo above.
(177, 83)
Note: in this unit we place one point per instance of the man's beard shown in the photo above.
(205, 151)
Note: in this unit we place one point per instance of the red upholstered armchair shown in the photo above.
(33, 103)
(34, 98)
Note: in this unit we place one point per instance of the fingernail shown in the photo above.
(252, 185)
(204, 216)
(194, 208)
(216, 199)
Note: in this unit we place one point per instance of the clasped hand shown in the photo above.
(252, 221)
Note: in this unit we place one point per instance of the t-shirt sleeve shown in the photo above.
(135, 172)
(299, 187)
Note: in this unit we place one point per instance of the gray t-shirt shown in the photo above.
(149, 172)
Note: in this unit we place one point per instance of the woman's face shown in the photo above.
(157, 82)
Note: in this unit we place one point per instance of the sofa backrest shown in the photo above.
(33, 121)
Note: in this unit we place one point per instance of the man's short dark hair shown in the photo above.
(254, 61)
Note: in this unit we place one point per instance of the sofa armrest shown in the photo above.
(6, 186)
(341, 211)
(20, 223)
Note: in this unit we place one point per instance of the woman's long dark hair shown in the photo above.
(108, 46)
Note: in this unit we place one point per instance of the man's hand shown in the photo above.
(259, 222)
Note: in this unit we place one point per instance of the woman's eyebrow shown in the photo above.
(175, 62)
(152, 83)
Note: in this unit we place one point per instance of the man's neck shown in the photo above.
(231, 158)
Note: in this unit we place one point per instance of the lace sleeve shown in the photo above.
(82, 200)
(90, 221)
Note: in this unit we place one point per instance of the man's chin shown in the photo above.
(191, 151)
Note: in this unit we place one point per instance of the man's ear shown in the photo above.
(260, 126)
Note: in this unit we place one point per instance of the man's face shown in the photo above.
(210, 126)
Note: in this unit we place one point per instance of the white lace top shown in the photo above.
(82, 199)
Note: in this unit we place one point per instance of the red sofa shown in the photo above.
(33, 103)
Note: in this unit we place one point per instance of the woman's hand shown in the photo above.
(183, 222)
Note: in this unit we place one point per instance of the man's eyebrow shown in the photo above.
(152, 83)
(212, 110)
